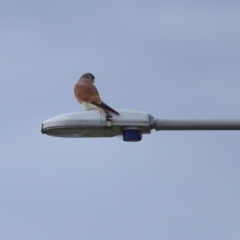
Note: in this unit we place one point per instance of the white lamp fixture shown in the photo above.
(129, 124)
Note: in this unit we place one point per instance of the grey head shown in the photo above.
(89, 76)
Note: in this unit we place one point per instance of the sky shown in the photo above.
(172, 59)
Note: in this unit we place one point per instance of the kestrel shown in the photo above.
(88, 96)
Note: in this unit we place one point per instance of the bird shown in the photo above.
(88, 96)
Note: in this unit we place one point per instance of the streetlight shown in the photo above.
(129, 124)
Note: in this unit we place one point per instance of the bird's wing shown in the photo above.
(85, 91)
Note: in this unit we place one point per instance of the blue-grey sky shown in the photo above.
(173, 59)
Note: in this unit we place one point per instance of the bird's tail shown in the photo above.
(105, 106)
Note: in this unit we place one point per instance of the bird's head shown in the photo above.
(89, 76)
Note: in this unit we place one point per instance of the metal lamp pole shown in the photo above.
(196, 124)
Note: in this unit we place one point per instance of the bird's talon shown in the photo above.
(109, 123)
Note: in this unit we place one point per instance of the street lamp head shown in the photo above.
(129, 124)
